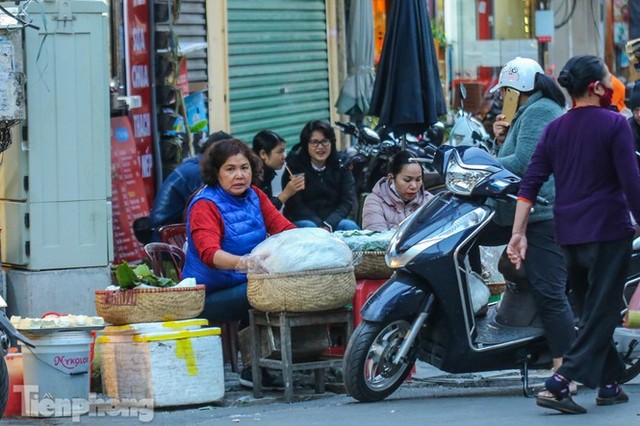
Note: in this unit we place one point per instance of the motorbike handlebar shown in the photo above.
(348, 128)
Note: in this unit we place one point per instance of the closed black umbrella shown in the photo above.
(407, 93)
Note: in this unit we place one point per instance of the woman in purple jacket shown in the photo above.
(590, 152)
(395, 196)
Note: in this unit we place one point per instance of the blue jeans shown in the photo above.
(343, 225)
(229, 304)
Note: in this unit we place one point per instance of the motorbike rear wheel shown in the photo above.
(369, 372)
(631, 371)
(4, 385)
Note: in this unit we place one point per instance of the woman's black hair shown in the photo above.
(579, 72)
(398, 161)
(305, 135)
(219, 152)
(266, 140)
(549, 89)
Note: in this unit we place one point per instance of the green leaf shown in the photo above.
(142, 270)
(125, 276)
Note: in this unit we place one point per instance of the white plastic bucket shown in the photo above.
(56, 374)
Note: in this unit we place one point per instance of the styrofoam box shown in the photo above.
(170, 365)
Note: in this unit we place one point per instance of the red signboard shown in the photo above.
(129, 200)
(139, 75)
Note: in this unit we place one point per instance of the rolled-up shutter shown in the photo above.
(278, 66)
(191, 31)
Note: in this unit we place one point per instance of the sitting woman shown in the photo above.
(226, 219)
(270, 146)
(329, 190)
(395, 196)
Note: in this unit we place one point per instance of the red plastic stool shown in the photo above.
(364, 290)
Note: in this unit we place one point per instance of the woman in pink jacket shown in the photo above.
(395, 196)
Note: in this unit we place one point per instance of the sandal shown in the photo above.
(565, 405)
(573, 390)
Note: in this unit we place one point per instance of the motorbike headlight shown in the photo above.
(461, 180)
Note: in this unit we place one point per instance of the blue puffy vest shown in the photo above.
(243, 230)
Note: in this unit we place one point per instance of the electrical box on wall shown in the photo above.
(55, 183)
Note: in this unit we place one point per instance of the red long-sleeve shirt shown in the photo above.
(207, 226)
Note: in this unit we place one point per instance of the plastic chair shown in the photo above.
(159, 252)
(175, 234)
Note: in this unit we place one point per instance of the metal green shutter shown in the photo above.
(278, 66)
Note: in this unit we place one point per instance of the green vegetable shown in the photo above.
(131, 278)
(125, 276)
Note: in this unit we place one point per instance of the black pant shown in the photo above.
(597, 274)
(547, 273)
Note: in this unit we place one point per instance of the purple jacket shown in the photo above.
(591, 153)
(384, 210)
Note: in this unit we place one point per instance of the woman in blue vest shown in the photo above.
(226, 219)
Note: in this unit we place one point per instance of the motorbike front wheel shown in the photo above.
(369, 372)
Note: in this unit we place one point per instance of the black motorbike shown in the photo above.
(425, 310)
(371, 150)
(7, 333)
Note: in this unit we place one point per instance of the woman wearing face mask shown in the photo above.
(395, 196)
(590, 152)
(270, 147)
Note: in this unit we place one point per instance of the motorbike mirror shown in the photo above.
(371, 135)
(463, 91)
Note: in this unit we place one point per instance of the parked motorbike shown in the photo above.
(371, 151)
(467, 130)
(7, 332)
(425, 310)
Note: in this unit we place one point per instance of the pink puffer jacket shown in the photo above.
(384, 210)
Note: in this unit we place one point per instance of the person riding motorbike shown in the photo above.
(540, 102)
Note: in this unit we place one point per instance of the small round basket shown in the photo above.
(150, 304)
(373, 266)
(305, 291)
(497, 288)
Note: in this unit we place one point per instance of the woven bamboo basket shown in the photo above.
(373, 266)
(150, 304)
(306, 291)
(497, 287)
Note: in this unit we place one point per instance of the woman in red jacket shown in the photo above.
(226, 219)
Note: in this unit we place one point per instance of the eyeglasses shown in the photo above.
(316, 143)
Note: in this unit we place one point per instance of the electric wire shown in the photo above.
(24, 23)
(568, 18)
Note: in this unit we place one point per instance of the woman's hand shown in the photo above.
(517, 249)
(295, 185)
(500, 129)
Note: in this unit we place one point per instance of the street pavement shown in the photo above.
(432, 397)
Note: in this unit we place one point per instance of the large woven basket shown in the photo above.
(373, 266)
(150, 304)
(305, 291)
